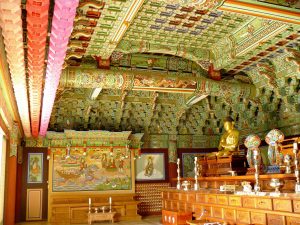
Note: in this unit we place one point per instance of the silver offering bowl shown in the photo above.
(186, 185)
(276, 183)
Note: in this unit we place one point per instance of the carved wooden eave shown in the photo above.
(95, 138)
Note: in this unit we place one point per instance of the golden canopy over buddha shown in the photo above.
(229, 142)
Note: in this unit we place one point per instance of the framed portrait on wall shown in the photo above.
(188, 164)
(35, 168)
(152, 166)
(187, 157)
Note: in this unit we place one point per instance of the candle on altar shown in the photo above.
(110, 200)
(90, 201)
(178, 161)
(295, 145)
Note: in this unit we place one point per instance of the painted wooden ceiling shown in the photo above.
(168, 67)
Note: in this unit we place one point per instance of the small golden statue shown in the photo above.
(229, 142)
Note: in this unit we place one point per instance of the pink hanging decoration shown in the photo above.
(37, 25)
(62, 25)
(11, 24)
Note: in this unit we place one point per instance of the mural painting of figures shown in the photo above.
(121, 163)
(97, 171)
(104, 161)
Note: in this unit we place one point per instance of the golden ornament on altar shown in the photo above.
(229, 142)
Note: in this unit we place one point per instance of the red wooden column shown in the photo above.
(172, 151)
(10, 190)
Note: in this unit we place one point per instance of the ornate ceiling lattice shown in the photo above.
(155, 61)
(114, 21)
(85, 23)
(162, 113)
(264, 45)
(173, 25)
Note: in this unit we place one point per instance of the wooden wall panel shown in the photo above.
(34, 204)
(150, 196)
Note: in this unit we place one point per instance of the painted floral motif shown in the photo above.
(274, 136)
(252, 141)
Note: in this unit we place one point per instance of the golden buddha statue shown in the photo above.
(229, 142)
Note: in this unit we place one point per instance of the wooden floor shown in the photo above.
(149, 220)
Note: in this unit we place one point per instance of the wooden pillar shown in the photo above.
(172, 151)
(10, 194)
(18, 210)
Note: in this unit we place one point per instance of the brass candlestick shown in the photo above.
(178, 175)
(256, 167)
(90, 205)
(295, 151)
(110, 202)
(196, 169)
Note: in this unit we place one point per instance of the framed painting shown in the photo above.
(187, 157)
(35, 168)
(188, 163)
(151, 166)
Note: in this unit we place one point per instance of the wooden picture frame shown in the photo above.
(152, 166)
(35, 168)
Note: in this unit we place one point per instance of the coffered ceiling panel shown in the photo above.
(154, 66)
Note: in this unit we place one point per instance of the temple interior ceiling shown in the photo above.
(175, 67)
